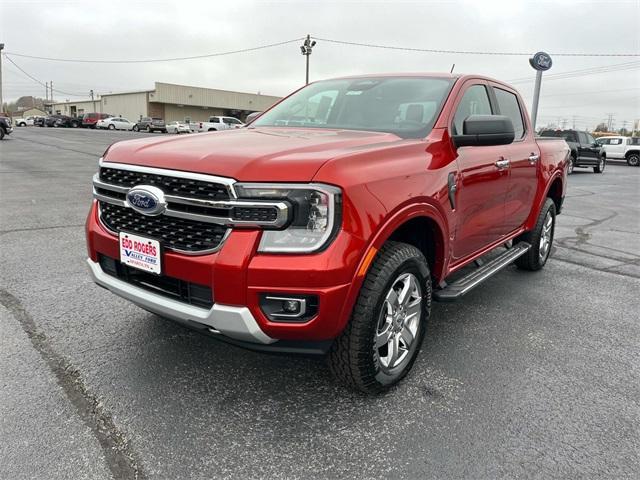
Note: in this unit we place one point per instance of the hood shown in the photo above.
(249, 154)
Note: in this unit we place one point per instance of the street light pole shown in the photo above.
(306, 49)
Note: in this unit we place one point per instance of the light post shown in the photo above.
(541, 62)
(306, 49)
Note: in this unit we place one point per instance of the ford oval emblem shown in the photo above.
(147, 200)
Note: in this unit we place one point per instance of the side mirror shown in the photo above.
(485, 130)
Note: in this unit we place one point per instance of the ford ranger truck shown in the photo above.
(333, 221)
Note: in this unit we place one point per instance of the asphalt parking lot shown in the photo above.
(531, 375)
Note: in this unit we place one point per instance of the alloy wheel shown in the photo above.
(546, 237)
(398, 322)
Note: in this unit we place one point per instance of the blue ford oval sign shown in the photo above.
(147, 200)
(541, 61)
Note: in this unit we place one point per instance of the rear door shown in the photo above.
(586, 151)
(482, 183)
(524, 157)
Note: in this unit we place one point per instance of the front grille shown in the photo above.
(174, 288)
(170, 185)
(175, 233)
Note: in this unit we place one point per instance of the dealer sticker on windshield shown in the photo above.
(140, 252)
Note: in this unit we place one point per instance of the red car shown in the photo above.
(89, 120)
(331, 222)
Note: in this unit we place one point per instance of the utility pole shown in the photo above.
(94, 103)
(46, 92)
(610, 121)
(51, 90)
(574, 122)
(306, 49)
(1, 97)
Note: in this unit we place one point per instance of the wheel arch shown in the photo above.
(555, 192)
(631, 152)
(402, 226)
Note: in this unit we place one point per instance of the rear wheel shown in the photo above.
(135, 128)
(382, 340)
(540, 238)
(112, 126)
(149, 129)
(633, 159)
(600, 167)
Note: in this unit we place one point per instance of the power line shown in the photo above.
(471, 52)
(154, 60)
(581, 73)
(40, 82)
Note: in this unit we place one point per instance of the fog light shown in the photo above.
(289, 308)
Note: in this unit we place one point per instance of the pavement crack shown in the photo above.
(120, 458)
(3, 232)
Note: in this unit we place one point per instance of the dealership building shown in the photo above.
(170, 102)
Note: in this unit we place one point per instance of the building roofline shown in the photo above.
(216, 89)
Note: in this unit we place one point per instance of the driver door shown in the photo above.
(483, 179)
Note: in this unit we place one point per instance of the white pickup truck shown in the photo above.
(24, 122)
(219, 123)
(627, 148)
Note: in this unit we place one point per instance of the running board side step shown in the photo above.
(457, 289)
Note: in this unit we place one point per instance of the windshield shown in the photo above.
(406, 106)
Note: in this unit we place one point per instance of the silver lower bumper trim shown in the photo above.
(233, 322)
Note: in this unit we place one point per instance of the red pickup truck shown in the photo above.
(331, 223)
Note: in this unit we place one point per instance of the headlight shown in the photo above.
(315, 219)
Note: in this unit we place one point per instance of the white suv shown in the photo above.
(619, 147)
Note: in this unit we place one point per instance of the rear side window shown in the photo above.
(508, 105)
(474, 102)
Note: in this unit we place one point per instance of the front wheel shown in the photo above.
(381, 341)
(633, 160)
(135, 128)
(600, 167)
(540, 238)
(571, 163)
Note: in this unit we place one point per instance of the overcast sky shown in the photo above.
(132, 29)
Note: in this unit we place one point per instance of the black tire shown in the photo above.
(354, 358)
(633, 160)
(533, 260)
(149, 129)
(111, 126)
(212, 130)
(571, 164)
(1, 133)
(136, 128)
(600, 167)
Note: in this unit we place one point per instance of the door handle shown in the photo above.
(533, 158)
(502, 164)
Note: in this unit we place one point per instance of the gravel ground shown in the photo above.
(531, 375)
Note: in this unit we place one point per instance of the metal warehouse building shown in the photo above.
(171, 102)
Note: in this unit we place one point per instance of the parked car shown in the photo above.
(178, 127)
(89, 120)
(622, 148)
(5, 126)
(332, 237)
(585, 151)
(219, 123)
(39, 121)
(25, 122)
(150, 124)
(115, 123)
(63, 121)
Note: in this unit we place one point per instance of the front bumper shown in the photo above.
(234, 322)
(238, 277)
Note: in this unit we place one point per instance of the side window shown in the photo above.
(215, 120)
(475, 101)
(616, 141)
(508, 105)
(582, 138)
